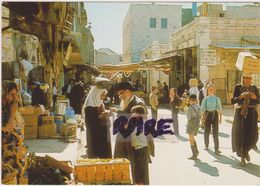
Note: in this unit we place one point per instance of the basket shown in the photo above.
(103, 171)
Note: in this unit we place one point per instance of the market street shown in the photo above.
(171, 166)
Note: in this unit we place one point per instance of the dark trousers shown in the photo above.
(211, 120)
(175, 121)
(141, 166)
(154, 113)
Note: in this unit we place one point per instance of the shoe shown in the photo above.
(243, 162)
(217, 152)
(206, 148)
(247, 157)
(196, 148)
(192, 157)
(194, 153)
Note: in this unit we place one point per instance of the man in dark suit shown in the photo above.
(123, 146)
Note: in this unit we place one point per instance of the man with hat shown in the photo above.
(123, 146)
(244, 130)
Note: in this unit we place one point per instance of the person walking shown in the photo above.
(165, 92)
(97, 124)
(77, 95)
(153, 100)
(244, 130)
(211, 110)
(193, 115)
(175, 102)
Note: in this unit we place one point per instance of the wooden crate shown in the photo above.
(103, 171)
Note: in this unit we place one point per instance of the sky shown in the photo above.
(106, 21)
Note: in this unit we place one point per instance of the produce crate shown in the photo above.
(103, 171)
(46, 119)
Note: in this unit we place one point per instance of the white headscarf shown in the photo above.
(93, 98)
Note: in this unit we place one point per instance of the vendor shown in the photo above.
(13, 150)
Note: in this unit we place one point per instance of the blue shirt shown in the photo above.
(211, 103)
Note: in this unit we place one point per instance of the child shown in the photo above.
(193, 124)
(140, 147)
(211, 110)
(175, 102)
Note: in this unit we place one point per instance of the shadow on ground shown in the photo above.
(45, 145)
(250, 168)
(206, 168)
(220, 134)
(224, 135)
(181, 138)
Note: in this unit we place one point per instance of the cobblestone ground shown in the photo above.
(171, 166)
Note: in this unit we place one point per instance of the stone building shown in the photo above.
(207, 48)
(145, 23)
(106, 56)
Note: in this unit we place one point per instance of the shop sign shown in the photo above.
(208, 57)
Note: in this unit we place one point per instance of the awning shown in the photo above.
(236, 46)
(119, 68)
(86, 67)
(162, 64)
(252, 39)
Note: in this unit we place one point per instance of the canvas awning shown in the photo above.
(119, 68)
(236, 46)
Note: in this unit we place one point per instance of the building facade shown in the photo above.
(208, 48)
(106, 56)
(145, 23)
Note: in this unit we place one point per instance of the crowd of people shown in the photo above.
(203, 108)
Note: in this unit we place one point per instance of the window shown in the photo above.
(164, 23)
(152, 22)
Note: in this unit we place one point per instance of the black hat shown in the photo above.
(193, 97)
(124, 86)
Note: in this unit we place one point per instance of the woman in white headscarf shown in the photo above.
(97, 124)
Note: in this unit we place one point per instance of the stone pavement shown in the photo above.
(170, 164)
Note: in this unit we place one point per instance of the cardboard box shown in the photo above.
(251, 65)
(47, 130)
(247, 62)
(43, 131)
(46, 119)
(29, 110)
(30, 120)
(51, 130)
(31, 132)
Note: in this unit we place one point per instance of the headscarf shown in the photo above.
(7, 86)
(93, 98)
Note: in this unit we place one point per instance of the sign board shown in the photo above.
(208, 57)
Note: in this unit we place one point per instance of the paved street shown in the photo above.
(171, 166)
